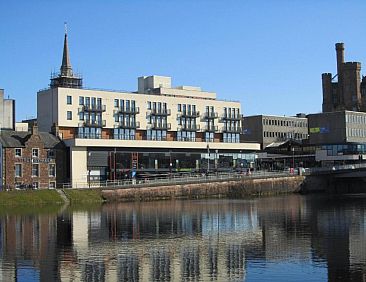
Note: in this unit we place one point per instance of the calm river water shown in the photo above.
(291, 238)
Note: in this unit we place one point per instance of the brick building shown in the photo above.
(345, 90)
(31, 160)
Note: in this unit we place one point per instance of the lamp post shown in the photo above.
(293, 158)
(208, 161)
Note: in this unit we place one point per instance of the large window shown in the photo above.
(52, 170)
(35, 170)
(69, 115)
(69, 100)
(18, 170)
(81, 100)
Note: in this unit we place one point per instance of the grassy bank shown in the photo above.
(30, 198)
(84, 196)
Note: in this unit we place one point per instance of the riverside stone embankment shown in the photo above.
(225, 189)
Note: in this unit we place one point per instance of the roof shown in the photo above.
(16, 139)
(282, 144)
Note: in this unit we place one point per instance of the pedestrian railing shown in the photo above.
(175, 180)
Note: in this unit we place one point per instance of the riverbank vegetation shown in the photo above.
(84, 196)
(30, 198)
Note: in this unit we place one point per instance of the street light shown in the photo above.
(293, 158)
(208, 162)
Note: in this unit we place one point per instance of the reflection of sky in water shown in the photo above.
(27, 273)
(291, 271)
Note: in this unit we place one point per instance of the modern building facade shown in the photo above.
(31, 160)
(267, 129)
(339, 136)
(345, 90)
(7, 112)
(157, 128)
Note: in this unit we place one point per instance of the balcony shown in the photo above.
(211, 128)
(132, 111)
(189, 114)
(131, 125)
(161, 126)
(234, 117)
(232, 129)
(186, 127)
(159, 112)
(92, 108)
(209, 115)
(93, 123)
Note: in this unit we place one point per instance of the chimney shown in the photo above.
(34, 129)
(55, 130)
(340, 57)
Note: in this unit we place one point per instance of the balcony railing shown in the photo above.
(191, 114)
(92, 108)
(232, 129)
(159, 112)
(235, 116)
(132, 111)
(211, 128)
(162, 126)
(186, 127)
(132, 125)
(93, 123)
(210, 115)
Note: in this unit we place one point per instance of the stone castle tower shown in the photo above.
(348, 92)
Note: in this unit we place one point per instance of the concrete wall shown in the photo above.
(47, 109)
(232, 189)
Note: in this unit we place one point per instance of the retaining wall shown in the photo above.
(225, 189)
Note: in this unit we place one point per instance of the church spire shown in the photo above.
(66, 77)
(66, 69)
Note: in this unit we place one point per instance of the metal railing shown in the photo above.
(174, 179)
(333, 169)
(131, 110)
(192, 114)
(92, 108)
(159, 112)
(135, 124)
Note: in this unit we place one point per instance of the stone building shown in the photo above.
(345, 90)
(31, 160)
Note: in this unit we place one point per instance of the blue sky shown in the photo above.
(269, 55)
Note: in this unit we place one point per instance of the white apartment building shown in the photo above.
(155, 129)
(7, 112)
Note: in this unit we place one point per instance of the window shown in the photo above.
(149, 105)
(116, 103)
(52, 185)
(69, 115)
(35, 153)
(52, 170)
(18, 170)
(35, 185)
(81, 100)
(18, 152)
(81, 116)
(69, 100)
(51, 153)
(35, 170)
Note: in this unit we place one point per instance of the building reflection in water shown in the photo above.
(213, 240)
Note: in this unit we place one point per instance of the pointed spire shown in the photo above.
(66, 69)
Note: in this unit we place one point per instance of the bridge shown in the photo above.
(341, 171)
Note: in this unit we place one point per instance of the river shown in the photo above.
(289, 238)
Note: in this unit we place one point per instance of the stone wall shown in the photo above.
(231, 189)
